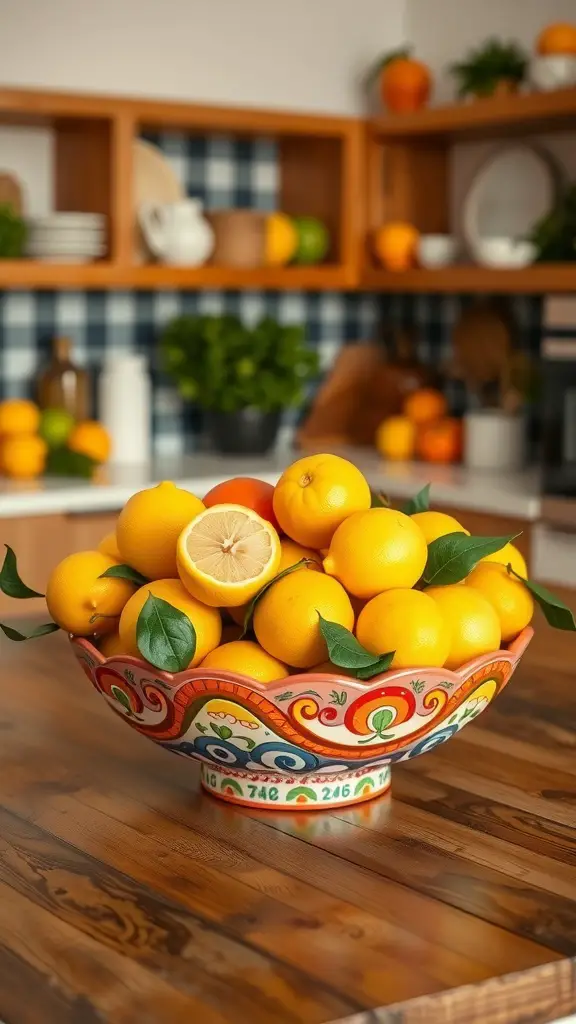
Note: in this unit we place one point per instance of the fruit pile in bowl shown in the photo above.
(297, 640)
(35, 442)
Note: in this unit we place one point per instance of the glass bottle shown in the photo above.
(62, 384)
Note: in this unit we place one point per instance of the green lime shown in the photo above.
(313, 240)
(55, 427)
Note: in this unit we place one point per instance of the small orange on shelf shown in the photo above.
(425, 405)
(18, 416)
(281, 239)
(405, 82)
(395, 245)
(23, 456)
(440, 441)
(558, 39)
(90, 438)
(396, 438)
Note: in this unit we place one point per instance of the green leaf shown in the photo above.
(419, 503)
(250, 744)
(165, 636)
(125, 572)
(121, 697)
(556, 613)
(64, 462)
(378, 500)
(344, 650)
(382, 720)
(452, 557)
(14, 634)
(222, 731)
(382, 665)
(10, 582)
(252, 604)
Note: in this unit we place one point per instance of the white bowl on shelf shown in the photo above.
(553, 71)
(504, 253)
(436, 251)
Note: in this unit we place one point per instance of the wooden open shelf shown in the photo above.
(516, 114)
(534, 280)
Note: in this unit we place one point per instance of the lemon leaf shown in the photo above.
(557, 614)
(419, 503)
(382, 665)
(10, 582)
(165, 636)
(451, 558)
(344, 650)
(125, 572)
(251, 607)
(15, 634)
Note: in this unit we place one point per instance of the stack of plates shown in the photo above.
(66, 237)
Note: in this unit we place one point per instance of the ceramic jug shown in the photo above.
(177, 233)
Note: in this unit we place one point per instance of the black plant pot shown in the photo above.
(244, 432)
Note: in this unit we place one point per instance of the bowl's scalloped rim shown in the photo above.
(512, 654)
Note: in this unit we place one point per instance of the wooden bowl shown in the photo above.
(310, 741)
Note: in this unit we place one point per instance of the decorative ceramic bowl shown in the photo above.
(311, 741)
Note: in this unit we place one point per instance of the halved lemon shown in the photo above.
(226, 554)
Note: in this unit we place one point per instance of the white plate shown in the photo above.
(70, 258)
(69, 220)
(65, 250)
(515, 187)
(154, 181)
(59, 237)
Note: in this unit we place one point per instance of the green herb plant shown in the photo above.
(489, 64)
(12, 233)
(554, 235)
(167, 639)
(223, 365)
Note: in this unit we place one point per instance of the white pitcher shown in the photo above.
(177, 233)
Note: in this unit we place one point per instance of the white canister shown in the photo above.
(124, 402)
(494, 440)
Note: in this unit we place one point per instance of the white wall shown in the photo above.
(303, 55)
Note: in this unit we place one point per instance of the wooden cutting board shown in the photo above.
(11, 191)
(482, 341)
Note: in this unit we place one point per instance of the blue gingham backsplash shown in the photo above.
(222, 172)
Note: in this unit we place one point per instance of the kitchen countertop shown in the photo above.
(126, 894)
(513, 494)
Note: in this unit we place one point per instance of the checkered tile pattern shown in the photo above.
(223, 172)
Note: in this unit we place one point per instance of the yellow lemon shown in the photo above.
(473, 623)
(407, 622)
(327, 668)
(437, 524)
(82, 603)
(206, 621)
(92, 439)
(290, 554)
(396, 438)
(149, 525)
(286, 620)
(509, 554)
(281, 239)
(377, 550)
(248, 659)
(23, 456)
(317, 493)
(111, 645)
(109, 546)
(18, 416)
(508, 596)
(227, 554)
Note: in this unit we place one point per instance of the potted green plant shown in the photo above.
(12, 233)
(493, 68)
(243, 377)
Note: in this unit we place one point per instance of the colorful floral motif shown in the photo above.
(234, 727)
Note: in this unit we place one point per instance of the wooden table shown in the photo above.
(126, 895)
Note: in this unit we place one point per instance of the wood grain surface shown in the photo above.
(126, 894)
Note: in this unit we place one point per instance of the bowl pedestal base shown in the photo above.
(276, 791)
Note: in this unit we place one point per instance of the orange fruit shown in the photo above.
(207, 622)
(80, 601)
(149, 525)
(557, 39)
(395, 245)
(23, 456)
(405, 84)
(227, 554)
(440, 441)
(437, 524)
(18, 416)
(407, 622)
(508, 596)
(248, 659)
(92, 439)
(395, 438)
(510, 555)
(472, 622)
(244, 490)
(109, 546)
(425, 405)
(317, 493)
(377, 550)
(111, 644)
(281, 241)
(286, 621)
